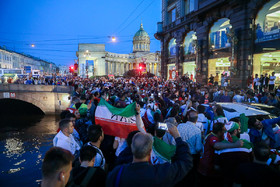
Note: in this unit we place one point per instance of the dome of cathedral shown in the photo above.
(140, 33)
(141, 41)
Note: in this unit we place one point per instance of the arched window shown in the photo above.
(172, 47)
(189, 43)
(218, 34)
(268, 22)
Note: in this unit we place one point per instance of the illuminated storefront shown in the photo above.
(267, 59)
(218, 65)
(218, 39)
(267, 63)
(171, 71)
(189, 69)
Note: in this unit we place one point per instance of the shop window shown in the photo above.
(267, 63)
(172, 47)
(218, 36)
(268, 22)
(189, 43)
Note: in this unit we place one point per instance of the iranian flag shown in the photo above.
(116, 121)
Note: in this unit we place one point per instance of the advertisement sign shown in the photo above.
(27, 69)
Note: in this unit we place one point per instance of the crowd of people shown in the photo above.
(198, 147)
(260, 90)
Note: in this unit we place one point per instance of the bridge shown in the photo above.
(51, 99)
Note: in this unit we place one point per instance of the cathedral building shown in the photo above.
(95, 61)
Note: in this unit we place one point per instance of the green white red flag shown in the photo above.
(116, 121)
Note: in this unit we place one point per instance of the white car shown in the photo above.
(233, 110)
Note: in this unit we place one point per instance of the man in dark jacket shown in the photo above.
(141, 173)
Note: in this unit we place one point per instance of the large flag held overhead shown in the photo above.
(116, 121)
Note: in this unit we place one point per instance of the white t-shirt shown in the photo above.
(65, 142)
(272, 80)
(257, 81)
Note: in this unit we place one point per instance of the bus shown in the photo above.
(11, 72)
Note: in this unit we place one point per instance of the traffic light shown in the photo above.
(71, 69)
(142, 67)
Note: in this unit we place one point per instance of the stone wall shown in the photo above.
(50, 99)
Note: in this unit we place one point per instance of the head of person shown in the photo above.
(71, 117)
(56, 167)
(261, 151)
(87, 155)
(66, 126)
(83, 99)
(141, 146)
(130, 137)
(233, 128)
(64, 113)
(256, 75)
(255, 123)
(192, 116)
(172, 120)
(77, 114)
(95, 133)
(219, 110)
(273, 73)
(75, 100)
(159, 132)
(219, 129)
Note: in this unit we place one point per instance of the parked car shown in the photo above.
(233, 110)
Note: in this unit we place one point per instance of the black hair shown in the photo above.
(218, 127)
(251, 122)
(94, 132)
(159, 132)
(87, 153)
(200, 109)
(55, 160)
(220, 111)
(261, 151)
(64, 123)
(64, 113)
(130, 136)
(70, 115)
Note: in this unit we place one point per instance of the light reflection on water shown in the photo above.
(23, 145)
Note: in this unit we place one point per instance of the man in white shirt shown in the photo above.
(271, 82)
(191, 134)
(64, 137)
(256, 82)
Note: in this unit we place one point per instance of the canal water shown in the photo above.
(24, 141)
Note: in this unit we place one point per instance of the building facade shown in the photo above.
(13, 60)
(94, 60)
(234, 37)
